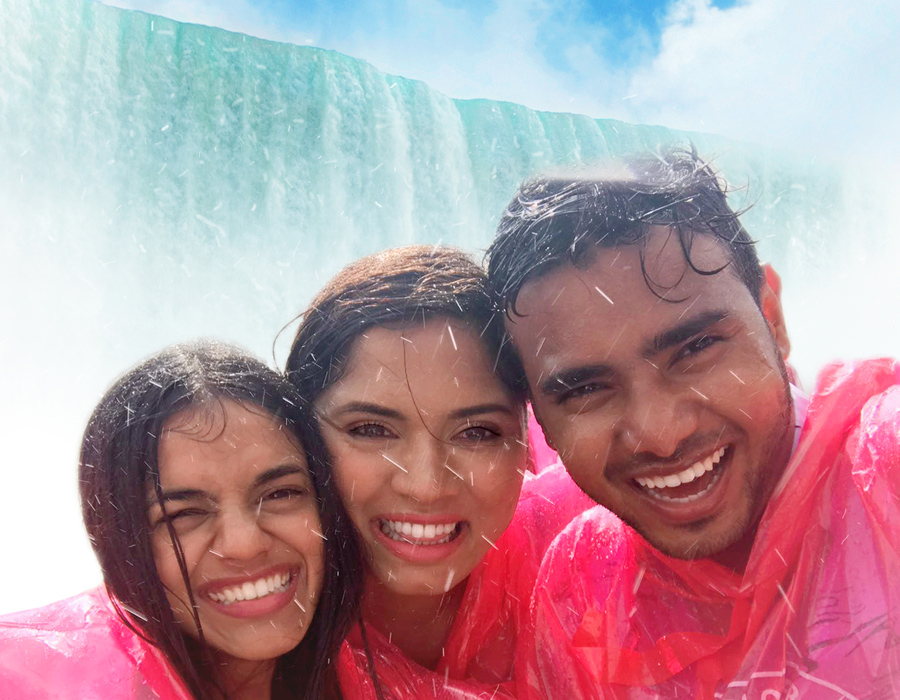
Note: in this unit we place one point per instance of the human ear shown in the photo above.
(770, 303)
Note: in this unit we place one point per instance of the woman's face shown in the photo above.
(237, 492)
(428, 452)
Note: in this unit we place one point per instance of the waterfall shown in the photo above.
(163, 181)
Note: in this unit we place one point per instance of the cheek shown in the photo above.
(315, 563)
(167, 564)
(495, 489)
(359, 481)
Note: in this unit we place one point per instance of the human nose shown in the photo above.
(239, 535)
(656, 418)
(425, 472)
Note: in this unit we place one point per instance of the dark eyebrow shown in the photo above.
(683, 331)
(278, 472)
(366, 407)
(560, 382)
(480, 409)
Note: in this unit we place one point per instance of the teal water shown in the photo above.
(161, 181)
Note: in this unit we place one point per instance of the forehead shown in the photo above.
(638, 288)
(442, 355)
(223, 440)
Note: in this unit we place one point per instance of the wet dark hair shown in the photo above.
(119, 467)
(398, 287)
(553, 220)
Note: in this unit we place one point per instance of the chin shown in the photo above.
(712, 543)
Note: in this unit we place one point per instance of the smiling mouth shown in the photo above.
(416, 533)
(685, 486)
(253, 590)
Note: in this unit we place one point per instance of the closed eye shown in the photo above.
(184, 518)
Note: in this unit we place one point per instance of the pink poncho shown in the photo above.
(480, 654)
(80, 648)
(815, 615)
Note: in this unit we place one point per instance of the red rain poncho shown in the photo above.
(481, 648)
(815, 615)
(80, 648)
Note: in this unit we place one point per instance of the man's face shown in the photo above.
(675, 414)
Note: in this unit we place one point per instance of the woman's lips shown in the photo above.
(420, 533)
(420, 539)
(253, 596)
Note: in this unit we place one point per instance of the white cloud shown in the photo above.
(813, 75)
(498, 56)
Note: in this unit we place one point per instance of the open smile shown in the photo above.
(422, 540)
(256, 596)
(687, 485)
(421, 534)
(252, 590)
(693, 492)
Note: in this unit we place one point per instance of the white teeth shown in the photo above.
(694, 471)
(673, 480)
(416, 533)
(251, 590)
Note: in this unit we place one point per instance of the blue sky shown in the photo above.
(807, 74)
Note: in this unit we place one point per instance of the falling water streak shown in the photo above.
(395, 463)
(604, 295)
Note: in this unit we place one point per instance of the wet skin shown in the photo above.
(632, 390)
(237, 491)
(423, 432)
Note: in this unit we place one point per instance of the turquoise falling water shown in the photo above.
(162, 181)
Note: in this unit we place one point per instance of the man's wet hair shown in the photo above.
(558, 219)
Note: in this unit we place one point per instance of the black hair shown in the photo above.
(399, 287)
(119, 467)
(553, 220)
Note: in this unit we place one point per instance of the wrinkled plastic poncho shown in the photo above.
(479, 657)
(80, 648)
(816, 613)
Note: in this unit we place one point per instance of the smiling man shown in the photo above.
(753, 549)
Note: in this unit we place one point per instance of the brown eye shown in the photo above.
(580, 391)
(285, 493)
(697, 346)
(371, 430)
(478, 433)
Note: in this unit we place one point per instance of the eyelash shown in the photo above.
(180, 515)
(287, 493)
(696, 346)
(488, 433)
(365, 431)
(578, 392)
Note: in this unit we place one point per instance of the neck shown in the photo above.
(418, 625)
(737, 555)
(248, 680)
